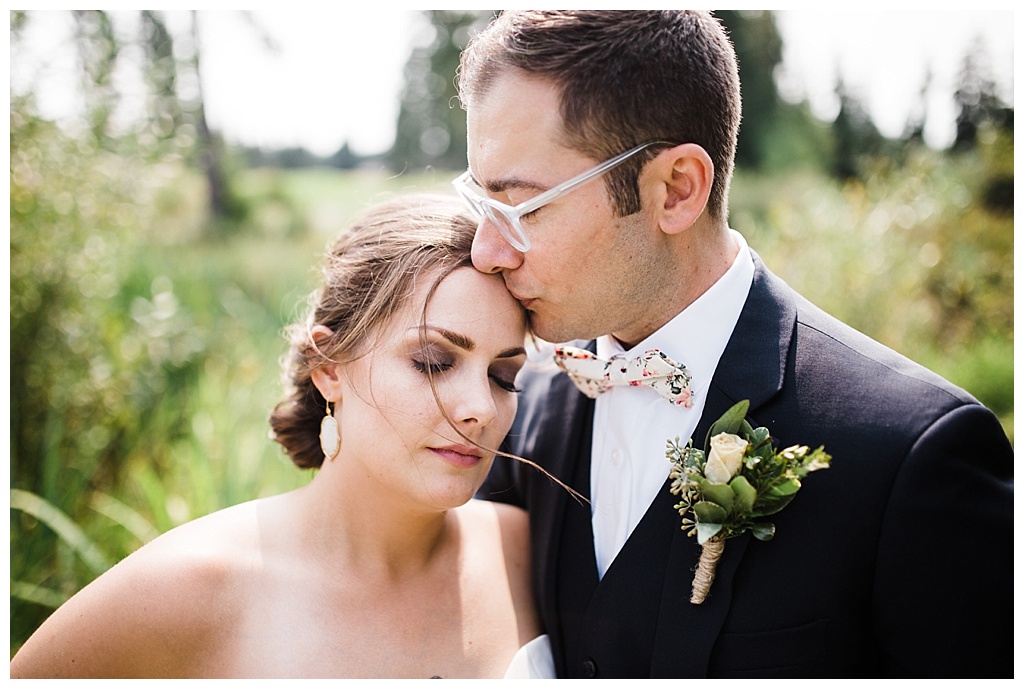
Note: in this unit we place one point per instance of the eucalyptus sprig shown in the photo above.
(728, 487)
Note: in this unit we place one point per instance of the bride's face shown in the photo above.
(391, 422)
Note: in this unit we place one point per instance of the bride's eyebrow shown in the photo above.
(463, 342)
(457, 339)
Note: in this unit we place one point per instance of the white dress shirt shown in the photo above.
(632, 424)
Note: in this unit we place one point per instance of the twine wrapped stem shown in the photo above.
(710, 553)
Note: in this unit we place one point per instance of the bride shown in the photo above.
(401, 384)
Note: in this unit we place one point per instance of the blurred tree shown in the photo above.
(976, 98)
(98, 48)
(295, 157)
(855, 135)
(913, 131)
(18, 19)
(758, 44)
(344, 158)
(226, 207)
(985, 124)
(431, 129)
(160, 70)
(172, 121)
(997, 192)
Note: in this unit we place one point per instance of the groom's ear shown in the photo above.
(681, 179)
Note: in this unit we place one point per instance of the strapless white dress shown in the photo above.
(533, 661)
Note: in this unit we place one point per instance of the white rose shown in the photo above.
(725, 458)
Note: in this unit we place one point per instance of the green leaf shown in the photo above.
(769, 504)
(787, 487)
(745, 431)
(719, 493)
(709, 513)
(729, 422)
(706, 531)
(66, 530)
(760, 440)
(745, 494)
(763, 532)
(124, 515)
(39, 595)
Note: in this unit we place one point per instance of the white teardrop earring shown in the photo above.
(330, 435)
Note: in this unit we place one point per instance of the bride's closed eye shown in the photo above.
(433, 362)
(505, 381)
(432, 366)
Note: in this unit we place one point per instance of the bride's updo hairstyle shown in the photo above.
(368, 274)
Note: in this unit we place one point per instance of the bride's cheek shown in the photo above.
(508, 413)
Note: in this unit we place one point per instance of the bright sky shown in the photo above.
(884, 57)
(338, 73)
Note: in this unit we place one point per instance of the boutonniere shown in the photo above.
(732, 484)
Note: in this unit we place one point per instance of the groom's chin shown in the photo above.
(549, 329)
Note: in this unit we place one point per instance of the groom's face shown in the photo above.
(584, 274)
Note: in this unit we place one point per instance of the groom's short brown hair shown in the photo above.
(627, 77)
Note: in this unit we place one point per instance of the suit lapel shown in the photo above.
(564, 425)
(752, 367)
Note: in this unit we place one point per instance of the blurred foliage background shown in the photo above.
(153, 268)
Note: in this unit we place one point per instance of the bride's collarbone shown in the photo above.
(295, 613)
(439, 623)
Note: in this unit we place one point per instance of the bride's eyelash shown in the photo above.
(507, 385)
(438, 367)
(432, 367)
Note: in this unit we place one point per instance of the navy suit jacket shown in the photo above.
(896, 561)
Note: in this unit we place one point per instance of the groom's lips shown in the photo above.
(525, 301)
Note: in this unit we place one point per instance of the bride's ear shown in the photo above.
(325, 377)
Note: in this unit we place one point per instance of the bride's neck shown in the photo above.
(374, 531)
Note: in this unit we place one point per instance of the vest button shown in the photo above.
(589, 668)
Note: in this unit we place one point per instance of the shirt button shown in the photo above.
(616, 457)
(589, 668)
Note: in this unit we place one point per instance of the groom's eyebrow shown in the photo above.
(503, 185)
(497, 186)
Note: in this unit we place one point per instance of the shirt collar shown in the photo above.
(697, 336)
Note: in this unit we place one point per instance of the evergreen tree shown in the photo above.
(913, 131)
(98, 48)
(758, 44)
(160, 71)
(431, 128)
(854, 134)
(344, 158)
(977, 103)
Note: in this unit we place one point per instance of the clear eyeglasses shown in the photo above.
(507, 218)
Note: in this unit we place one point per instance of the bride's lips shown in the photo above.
(459, 455)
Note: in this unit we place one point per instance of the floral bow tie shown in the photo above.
(652, 368)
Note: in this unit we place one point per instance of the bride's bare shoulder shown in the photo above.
(157, 610)
(508, 544)
(506, 527)
(512, 522)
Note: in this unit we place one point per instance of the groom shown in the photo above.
(896, 561)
